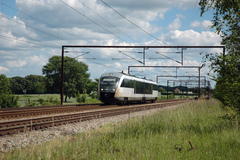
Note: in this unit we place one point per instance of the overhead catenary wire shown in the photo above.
(106, 21)
(26, 14)
(168, 57)
(134, 23)
(130, 56)
(39, 43)
(33, 41)
(36, 29)
(101, 64)
(98, 23)
(52, 25)
(24, 41)
(91, 20)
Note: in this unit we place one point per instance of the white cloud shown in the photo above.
(3, 70)
(180, 16)
(37, 60)
(58, 14)
(161, 15)
(176, 24)
(18, 63)
(191, 37)
(118, 65)
(195, 24)
(204, 25)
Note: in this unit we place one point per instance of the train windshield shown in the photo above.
(109, 84)
(109, 80)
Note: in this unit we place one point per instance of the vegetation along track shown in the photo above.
(15, 126)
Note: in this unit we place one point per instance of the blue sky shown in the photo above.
(33, 31)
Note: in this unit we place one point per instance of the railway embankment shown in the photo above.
(191, 130)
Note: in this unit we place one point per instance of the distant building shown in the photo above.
(189, 92)
(177, 90)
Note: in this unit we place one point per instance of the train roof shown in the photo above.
(120, 74)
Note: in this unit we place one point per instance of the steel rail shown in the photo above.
(11, 127)
(6, 114)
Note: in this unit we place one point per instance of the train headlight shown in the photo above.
(101, 89)
(113, 89)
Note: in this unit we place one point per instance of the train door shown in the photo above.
(144, 91)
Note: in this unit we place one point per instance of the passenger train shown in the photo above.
(121, 88)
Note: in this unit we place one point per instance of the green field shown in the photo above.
(163, 135)
(24, 99)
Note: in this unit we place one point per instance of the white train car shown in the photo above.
(121, 88)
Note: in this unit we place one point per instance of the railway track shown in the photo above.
(13, 113)
(37, 111)
(28, 124)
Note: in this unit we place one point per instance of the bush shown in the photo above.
(7, 99)
(30, 103)
(49, 101)
(81, 98)
(93, 95)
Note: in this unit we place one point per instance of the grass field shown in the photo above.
(24, 100)
(164, 135)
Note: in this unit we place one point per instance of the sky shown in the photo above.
(32, 31)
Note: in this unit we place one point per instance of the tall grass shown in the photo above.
(164, 135)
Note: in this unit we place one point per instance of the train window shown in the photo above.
(143, 88)
(139, 87)
(155, 87)
(148, 88)
(127, 83)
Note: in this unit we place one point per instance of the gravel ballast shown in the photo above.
(24, 139)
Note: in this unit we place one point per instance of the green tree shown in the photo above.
(226, 21)
(35, 84)
(7, 99)
(17, 84)
(162, 90)
(32, 83)
(76, 78)
(92, 86)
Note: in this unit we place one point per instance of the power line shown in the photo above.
(95, 22)
(168, 57)
(38, 20)
(91, 20)
(130, 56)
(111, 25)
(24, 41)
(34, 41)
(104, 65)
(107, 21)
(36, 29)
(134, 23)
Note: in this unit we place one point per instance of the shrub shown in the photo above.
(49, 101)
(81, 98)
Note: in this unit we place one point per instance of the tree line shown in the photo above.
(76, 81)
(226, 21)
(32, 84)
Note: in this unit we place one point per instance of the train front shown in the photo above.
(107, 87)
